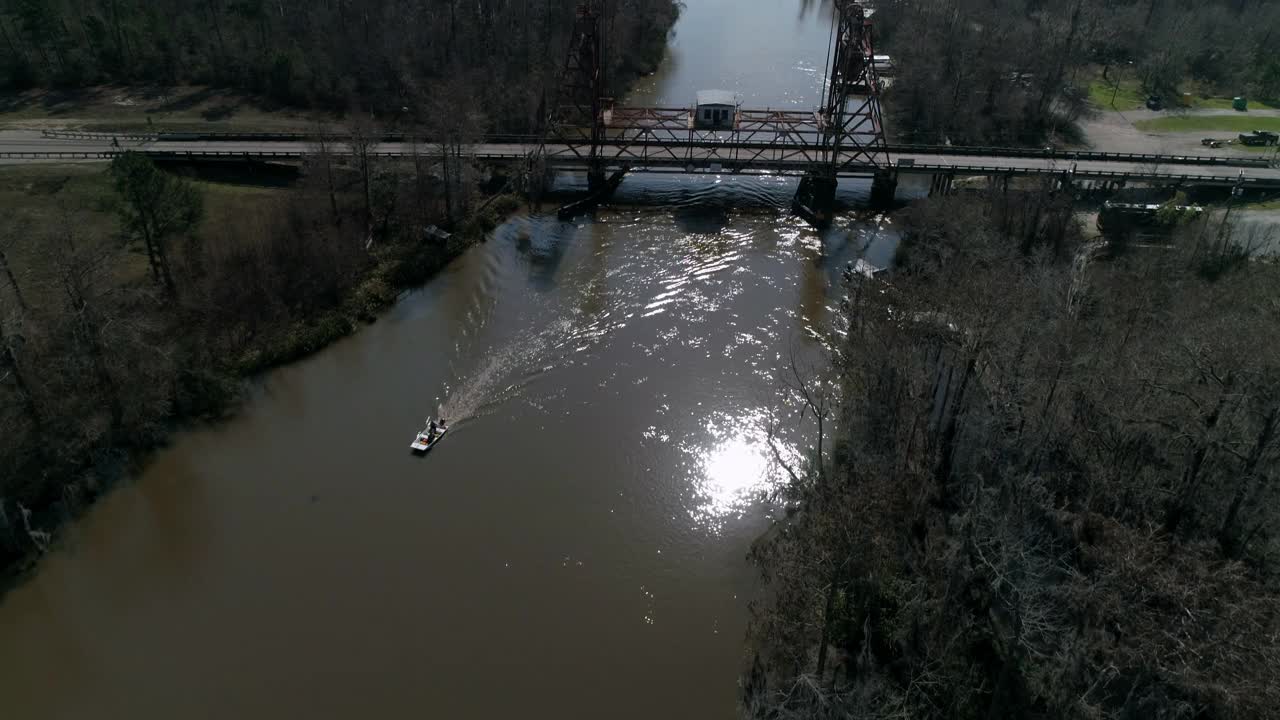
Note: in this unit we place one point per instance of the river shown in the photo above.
(574, 548)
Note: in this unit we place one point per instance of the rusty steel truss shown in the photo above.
(852, 122)
(637, 137)
(576, 120)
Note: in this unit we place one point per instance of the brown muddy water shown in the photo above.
(574, 548)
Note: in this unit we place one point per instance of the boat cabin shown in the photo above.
(716, 110)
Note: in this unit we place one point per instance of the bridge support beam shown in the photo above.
(1067, 182)
(884, 189)
(816, 199)
(597, 180)
(601, 190)
(941, 184)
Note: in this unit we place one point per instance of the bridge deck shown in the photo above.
(701, 156)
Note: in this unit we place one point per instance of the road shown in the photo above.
(682, 158)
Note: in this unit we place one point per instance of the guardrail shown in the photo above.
(59, 155)
(238, 136)
(1079, 155)
(1184, 178)
(94, 135)
(724, 164)
(900, 149)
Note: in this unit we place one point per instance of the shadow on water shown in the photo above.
(542, 242)
(697, 197)
(701, 219)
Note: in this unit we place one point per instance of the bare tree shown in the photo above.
(364, 141)
(455, 122)
(323, 150)
(6, 239)
(80, 267)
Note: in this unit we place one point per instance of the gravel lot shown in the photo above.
(1114, 131)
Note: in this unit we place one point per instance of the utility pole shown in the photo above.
(1224, 230)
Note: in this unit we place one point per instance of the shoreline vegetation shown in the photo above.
(1048, 488)
(137, 299)
(1013, 72)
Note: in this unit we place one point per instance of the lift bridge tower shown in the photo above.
(850, 121)
(845, 137)
(577, 119)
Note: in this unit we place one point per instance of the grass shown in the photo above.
(39, 198)
(1128, 96)
(1269, 204)
(1221, 103)
(1222, 123)
(1198, 102)
(132, 108)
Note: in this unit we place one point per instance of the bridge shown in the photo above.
(844, 137)
(587, 132)
(730, 155)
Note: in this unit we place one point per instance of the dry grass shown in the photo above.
(39, 199)
(170, 108)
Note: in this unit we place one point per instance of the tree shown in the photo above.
(7, 268)
(1051, 492)
(364, 143)
(455, 121)
(79, 271)
(10, 342)
(157, 207)
(324, 152)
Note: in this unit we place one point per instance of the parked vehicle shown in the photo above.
(1211, 142)
(1155, 102)
(1259, 138)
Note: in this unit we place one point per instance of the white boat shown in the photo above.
(424, 441)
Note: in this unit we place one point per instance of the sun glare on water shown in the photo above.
(731, 473)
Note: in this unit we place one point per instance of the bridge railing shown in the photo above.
(1079, 155)
(703, 164)
(1137, 174)
(726, 143)
(96, 135)
(240, 136)
(58, 155)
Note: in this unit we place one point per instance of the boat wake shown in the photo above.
(500, 375)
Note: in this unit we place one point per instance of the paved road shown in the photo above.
(702, 159)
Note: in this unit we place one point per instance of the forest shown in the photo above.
(1050, 489)
(385, 56)
(1016, 72)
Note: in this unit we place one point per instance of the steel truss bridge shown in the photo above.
(586, 131)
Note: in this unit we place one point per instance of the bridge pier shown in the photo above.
(815, 199)
(941, 184)
(596, 179)
(1066, 182)
(884, 189)
(601, 188)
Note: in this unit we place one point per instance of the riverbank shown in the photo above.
(222, 327)
(281, 269)
(960, 499)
